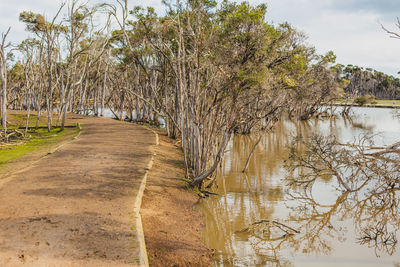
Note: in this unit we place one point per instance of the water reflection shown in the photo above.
(352, 227)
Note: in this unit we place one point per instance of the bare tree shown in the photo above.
(3, 75)
(208, 71)
(393, 34)
(367, 189)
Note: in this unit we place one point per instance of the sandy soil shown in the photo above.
(74, 207)
(171, 225)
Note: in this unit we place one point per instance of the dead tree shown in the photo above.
(3, 75)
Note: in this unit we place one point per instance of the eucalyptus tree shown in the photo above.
(393, 34)
(3, 76)
(252, 59)
(16, 86)
(31, 50)
(208, 70)
(85, 47)
(48, 32)
(369, 81)
(77, 26)
(219, 68)
(241, 54)
(73, 55)
(313, 83)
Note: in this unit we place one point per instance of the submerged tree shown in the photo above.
(208, 70)
(367, 188)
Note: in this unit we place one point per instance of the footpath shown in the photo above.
(78, 206)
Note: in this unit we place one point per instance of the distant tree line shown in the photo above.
(366, 81)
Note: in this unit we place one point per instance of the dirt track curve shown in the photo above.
(74, 207)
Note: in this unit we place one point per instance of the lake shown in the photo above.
(324, 226)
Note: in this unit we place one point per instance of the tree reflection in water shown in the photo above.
(367, 184)
(344, 223)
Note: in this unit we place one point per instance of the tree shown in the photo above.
(393, 34)
(48, 33)
(31, 51)
(367, 187)
(3, 75)
(362, 82)
(209, 71)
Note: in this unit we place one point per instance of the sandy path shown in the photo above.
(74, 207)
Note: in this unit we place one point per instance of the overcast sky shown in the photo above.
(348, 27)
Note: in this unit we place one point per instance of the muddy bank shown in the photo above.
(171, 225)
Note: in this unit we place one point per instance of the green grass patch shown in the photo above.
(388, 102)
(16, 120)
(40, 140)
(375, 102)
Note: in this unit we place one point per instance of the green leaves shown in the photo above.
(34, 22)
(329, 57)
(37, 24)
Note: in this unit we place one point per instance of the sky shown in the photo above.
(350, 28)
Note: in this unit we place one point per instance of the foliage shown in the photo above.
(361, 100)
(366, 189)
(207, 70)
(368, 81)
(366, 99)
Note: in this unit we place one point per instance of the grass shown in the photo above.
(39, 140)
(16, 120)
(388, 102)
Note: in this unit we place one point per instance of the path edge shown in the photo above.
(143, 257)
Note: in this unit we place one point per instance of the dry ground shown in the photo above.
(73, 207)
(171, 226)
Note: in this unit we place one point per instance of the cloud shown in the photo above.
(350, 28)
(388, 7)
(9, 15)
(10, 10)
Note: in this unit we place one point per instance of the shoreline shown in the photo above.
(171, 224)
(366, 105)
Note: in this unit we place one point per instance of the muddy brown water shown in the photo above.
(329, 235)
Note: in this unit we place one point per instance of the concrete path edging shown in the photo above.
(73, 206)
(143, 257)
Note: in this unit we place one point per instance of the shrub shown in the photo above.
(370, 98)
(361, 100)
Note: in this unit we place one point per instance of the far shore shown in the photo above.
(379, 104)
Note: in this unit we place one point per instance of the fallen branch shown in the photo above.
(287, 229)
(45, 127)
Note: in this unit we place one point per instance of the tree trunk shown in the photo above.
(199, 179)
(4, 95)
(251, 154)
(3, 74)
(103, 92)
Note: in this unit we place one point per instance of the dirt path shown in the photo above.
(74, 207)
(171, 226)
